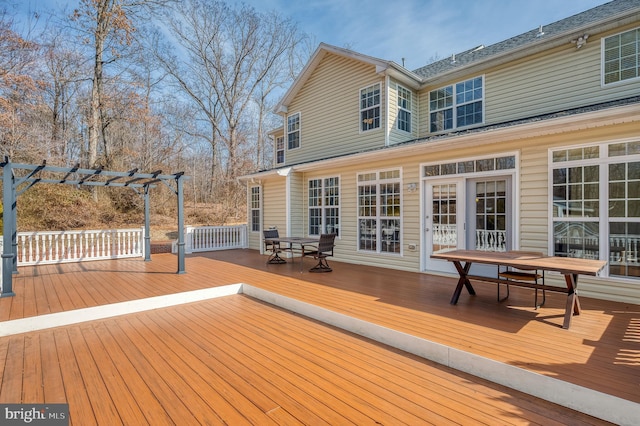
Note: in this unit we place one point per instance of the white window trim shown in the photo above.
(258, 209)
(455, 126)
(286, 141)
(284, 150)
(378, 217)
(602, 63)
(410, 110)
(379, 128)
(323, 207)
(514, 174)
(603, 161)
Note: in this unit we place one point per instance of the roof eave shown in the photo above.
(590, 120)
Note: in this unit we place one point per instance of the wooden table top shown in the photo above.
(526, 260)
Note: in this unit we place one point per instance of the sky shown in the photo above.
(420, 30)
(417, 31)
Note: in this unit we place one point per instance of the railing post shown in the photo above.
(188, 248)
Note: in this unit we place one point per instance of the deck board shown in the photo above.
(238, 360)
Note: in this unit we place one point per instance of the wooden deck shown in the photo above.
(238, 360)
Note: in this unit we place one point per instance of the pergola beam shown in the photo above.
(33, 174)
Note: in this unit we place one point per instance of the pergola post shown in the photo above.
(8, 220)
(31, 175)
(179, 185)
(147, 227)
(14, 233)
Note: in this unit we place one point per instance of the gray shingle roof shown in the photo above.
(564, 26)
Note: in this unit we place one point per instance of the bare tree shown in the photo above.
(225, 59)
(62, 68)
(109, 27)
(19, 91)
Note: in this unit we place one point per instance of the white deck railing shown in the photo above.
(211, 238)
(39, 248)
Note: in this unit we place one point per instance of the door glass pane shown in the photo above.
(444, 226)
(491, 215)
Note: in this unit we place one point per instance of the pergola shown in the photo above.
(17, 178)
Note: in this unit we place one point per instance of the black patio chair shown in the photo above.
(272, 246)
(320, 253)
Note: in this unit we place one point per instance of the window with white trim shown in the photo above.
(255, 208)
(379, 211)
(370, 107)
(458, 105)
(293, 131)
(280, 150)
(324, 206)
(596, 205)
(404, 109)
(621, 56)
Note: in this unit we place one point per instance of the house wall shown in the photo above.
(273, 209)
(329, 110)
(565, 79)
(550, 81)
(532, 203)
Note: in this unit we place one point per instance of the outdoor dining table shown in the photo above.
(570, 267)
(291, 242)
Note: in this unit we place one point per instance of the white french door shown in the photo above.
(473, 213)
(443, 222)
(488, 217)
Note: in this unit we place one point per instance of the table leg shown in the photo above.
(573, 303)
(462, 281)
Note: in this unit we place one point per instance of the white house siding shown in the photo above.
(533, 196)
(555, 81)
(329, 108)
(273, 210)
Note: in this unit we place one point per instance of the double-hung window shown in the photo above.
(293, 131)
(370, 107)
(404, 109)
(324, 206)
(379, 211)
(458, 105)
(596, 205)
(280, 150)
(621, 56)
(255, 208)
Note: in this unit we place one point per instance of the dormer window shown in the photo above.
(370, 107)
(458, 105)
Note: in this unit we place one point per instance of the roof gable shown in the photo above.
(382, 67)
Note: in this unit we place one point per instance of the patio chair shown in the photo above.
(523, 275)
(272, 246)
(320, 253)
